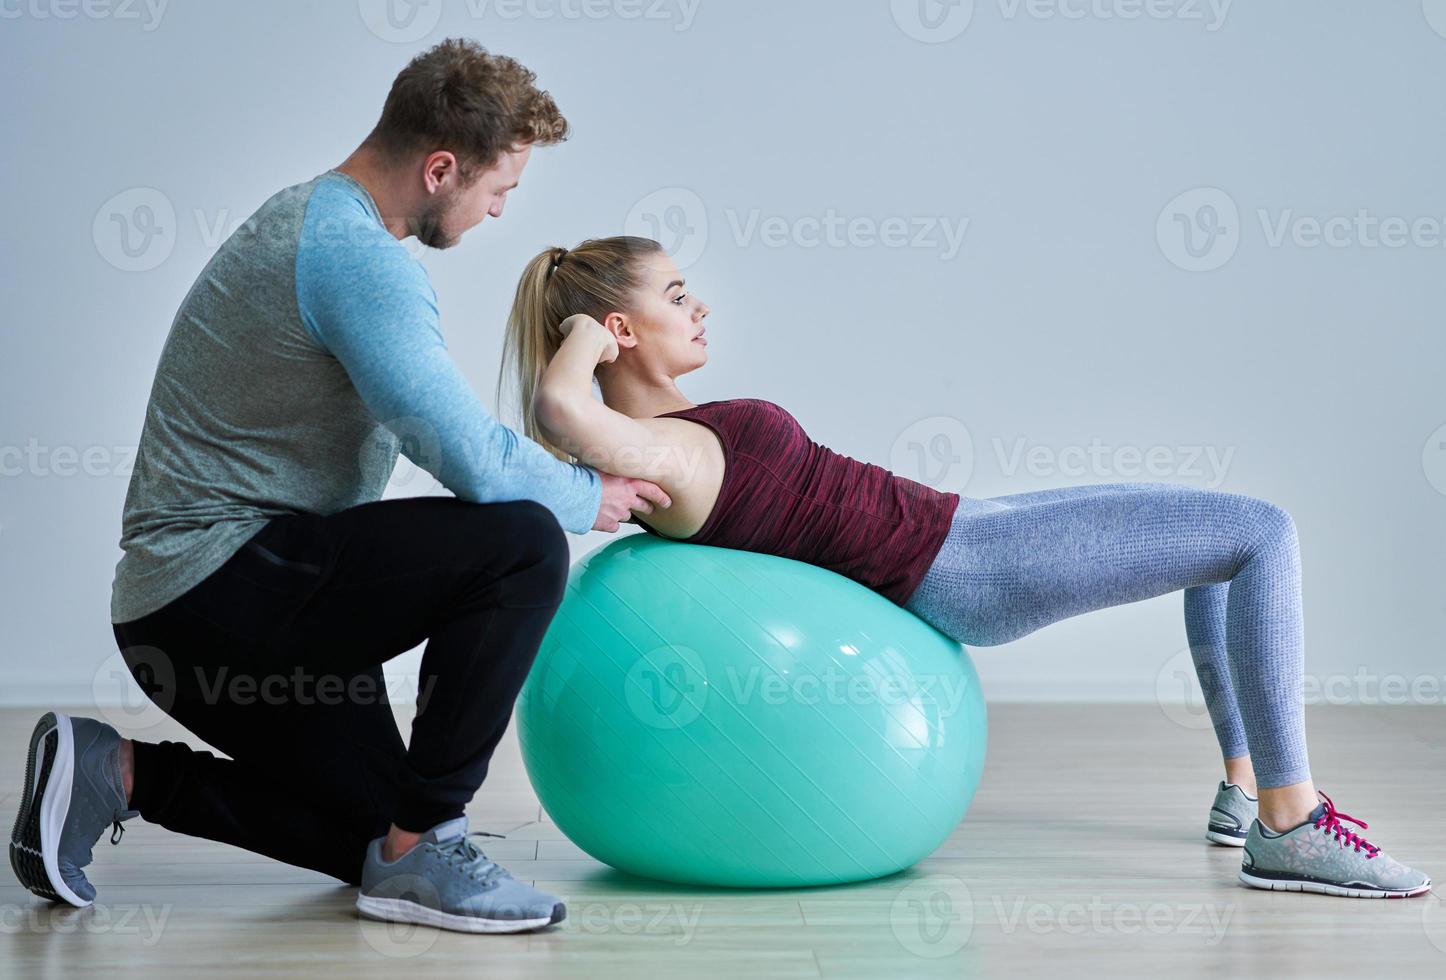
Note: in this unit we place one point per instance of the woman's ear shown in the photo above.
(617, 324)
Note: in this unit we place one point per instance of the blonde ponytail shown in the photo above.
(597, 277)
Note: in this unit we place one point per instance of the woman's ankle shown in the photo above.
(1284, 808)
(1240, 772)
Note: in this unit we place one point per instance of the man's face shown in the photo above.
(458, 209)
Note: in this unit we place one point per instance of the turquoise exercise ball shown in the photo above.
(719, 717)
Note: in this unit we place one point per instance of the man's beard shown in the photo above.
(427, 226)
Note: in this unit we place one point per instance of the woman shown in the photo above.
(743, 474)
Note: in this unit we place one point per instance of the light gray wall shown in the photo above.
(1058, 136)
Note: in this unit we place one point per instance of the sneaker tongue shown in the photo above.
(450, 830)
(1317, 813)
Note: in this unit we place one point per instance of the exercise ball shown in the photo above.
(719, 717)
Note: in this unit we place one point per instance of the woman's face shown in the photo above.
(663, 333)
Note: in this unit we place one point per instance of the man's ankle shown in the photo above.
(398, 842)
(127, 756)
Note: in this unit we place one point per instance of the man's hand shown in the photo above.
(622, 497)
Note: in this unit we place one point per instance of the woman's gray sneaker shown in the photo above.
(1322, 855)
(73, 791)
(1230, 815)
(446, 881)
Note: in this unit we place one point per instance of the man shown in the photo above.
(264, 582)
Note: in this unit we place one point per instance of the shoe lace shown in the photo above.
(470, 856)
(1330, 823)
(117, 831)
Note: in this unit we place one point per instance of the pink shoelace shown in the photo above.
(1330, 822)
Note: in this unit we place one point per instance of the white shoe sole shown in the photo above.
(1320, 888)
(1226, 839)
(55, 807)
(400, 910)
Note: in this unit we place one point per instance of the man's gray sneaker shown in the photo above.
(73, 791)
(1322, 855)
(1230, 815)
(446, 881)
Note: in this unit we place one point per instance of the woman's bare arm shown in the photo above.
(664, 451)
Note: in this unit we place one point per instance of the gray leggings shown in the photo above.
(1013, 564)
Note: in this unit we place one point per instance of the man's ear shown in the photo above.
(617, 325)
(439, 169)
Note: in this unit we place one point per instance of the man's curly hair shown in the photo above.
(458, 97)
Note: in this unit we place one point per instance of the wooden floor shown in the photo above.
(1083, 854)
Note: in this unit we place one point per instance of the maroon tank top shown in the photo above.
(784, 494)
